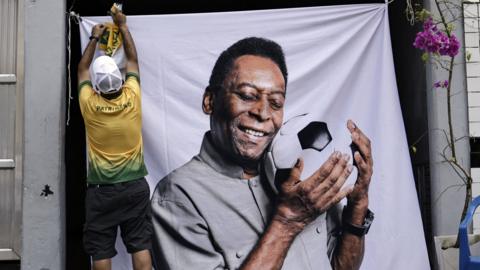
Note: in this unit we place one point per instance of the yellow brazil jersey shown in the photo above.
(114, 133)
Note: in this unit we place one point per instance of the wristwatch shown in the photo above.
(355, 229)
(94, 37)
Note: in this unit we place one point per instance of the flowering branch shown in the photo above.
(440, 44)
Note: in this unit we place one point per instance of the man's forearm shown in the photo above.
(272, 248)
(87, 56)
(129, 45)
(349, 252)
(350, 249)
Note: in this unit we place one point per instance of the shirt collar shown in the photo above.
(213, 158)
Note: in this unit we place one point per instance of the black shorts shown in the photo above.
(107, 207)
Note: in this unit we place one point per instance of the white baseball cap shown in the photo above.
(107, 76)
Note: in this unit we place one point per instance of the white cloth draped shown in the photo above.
(340, 67)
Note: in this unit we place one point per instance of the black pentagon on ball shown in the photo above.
(315, 136)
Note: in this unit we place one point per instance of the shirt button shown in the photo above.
(239, 254)
(318, 230)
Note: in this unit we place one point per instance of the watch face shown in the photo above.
(368, 220)
(369, 216)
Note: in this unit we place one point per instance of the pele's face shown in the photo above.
(248, 112)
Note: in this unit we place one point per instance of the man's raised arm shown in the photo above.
(129, 46)
(83, 72)
(349, 251)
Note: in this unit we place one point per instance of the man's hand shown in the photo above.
(97, 30)
(130, 51)
(358, 199)
(118, 17)
(300, 202)
(83, 73)
(303, 201)
(349, 251)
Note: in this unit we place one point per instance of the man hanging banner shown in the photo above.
(340, 67)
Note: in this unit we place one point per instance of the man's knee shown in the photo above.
(142, 260)
(104, 264)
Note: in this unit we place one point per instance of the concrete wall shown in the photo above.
(43, 229)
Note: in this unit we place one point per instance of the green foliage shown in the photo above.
(425, 57)
(422, 15)
(450, 28)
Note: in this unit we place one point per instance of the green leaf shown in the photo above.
(425, 57)
(423, 14)
(414, 149)
(468, 55)
(450, 27)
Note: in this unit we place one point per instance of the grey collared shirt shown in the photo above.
(205, 216)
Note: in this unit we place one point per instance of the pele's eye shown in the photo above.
(276, 105)
(247, 97)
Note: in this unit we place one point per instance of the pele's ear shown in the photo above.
(208, 97)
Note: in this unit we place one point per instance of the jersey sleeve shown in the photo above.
(132, 82)
(85, 91)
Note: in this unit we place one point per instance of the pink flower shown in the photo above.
(445, 84)
(428, 24)
(433, 40)
(441, 84)
(454, 46)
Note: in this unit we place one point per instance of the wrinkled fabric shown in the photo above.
(340, 67)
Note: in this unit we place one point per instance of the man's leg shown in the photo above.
(142, 260)
(100, 229)
(136, 228)
(105, 264)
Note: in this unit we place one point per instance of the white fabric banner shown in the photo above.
(340, 67)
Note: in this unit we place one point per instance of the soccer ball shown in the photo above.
(296, 135)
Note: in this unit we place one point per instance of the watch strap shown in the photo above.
(355, 229)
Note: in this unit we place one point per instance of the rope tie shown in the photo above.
(410, 13)
(72, 15)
